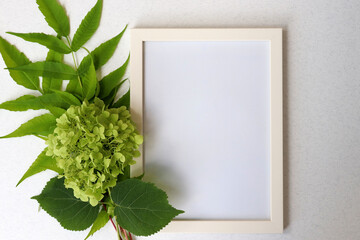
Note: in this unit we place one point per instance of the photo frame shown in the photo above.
(216, 92)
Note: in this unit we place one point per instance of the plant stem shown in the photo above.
(118, 232)
(74, 59)
(123, 230)
(86, 50)
(110, 218)
(112, 223)
(37, 87)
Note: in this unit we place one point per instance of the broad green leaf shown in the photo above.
(88, 79)
(140, 177)
(49, 41)
(14, 58)
(108, 83)
(23, 103)
(87, 27)
(42, 125)
(110, 98)
(48, 69)
(125, 175)
(142, 208)
(60, 203)
(99, 223)
(41, 163)
(68, 97)
(49, 84)
(55, 16)
(104, 52)
(123, 101)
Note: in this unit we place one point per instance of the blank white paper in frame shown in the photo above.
(206, 121)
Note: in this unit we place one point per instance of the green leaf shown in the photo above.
(48, 69)
(84, 65)
(75, 88)
(140, 177)
(125, 175)
(110, 81)
(56, 111)
(27, 102)
(54, 103)
(14, 58)
(87, 27)
(110, 98)
(88, 79)
(55, 100)
(100, 222)
(123, 101)
(55, 16)
(68, 97)
(104, 52)
(49, 84)
(41, 163)
(48, 41)
(42, 125)
(23, 103)
(141, 208)
(60, 203)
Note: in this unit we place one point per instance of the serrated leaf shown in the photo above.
(23, 103)
(41, 163)
(140, 177)
(54, 103)
(123, 101)
(55, 100)
(110, 98)
(60, 203)
(42, 125)
(49, 41)
(110, 81)
(27, 102)
(142, 208)
(55, 16)
(88, 79)
(75, 88)
(104, 52)
(48, 69)
(99, 223)
(56, 111)
(87, 27)
(84, 65)
(14, 58)
(49, 84)
(68, 97)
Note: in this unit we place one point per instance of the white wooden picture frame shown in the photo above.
(249, 57)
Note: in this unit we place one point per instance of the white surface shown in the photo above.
(321, 114)
(206, 126)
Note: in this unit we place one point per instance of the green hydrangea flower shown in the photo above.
(93, 145)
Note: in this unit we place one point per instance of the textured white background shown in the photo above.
(321, 103)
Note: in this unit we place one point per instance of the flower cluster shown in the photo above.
(93, 145)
